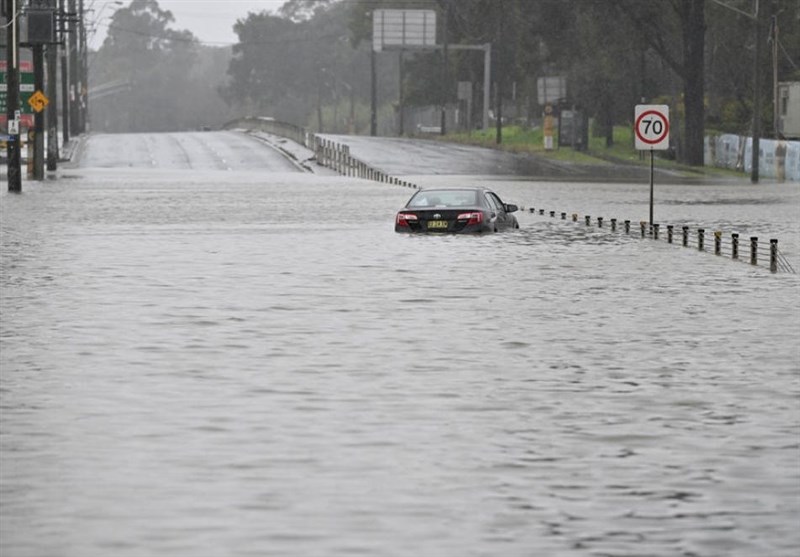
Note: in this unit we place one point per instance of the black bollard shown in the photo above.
(754, 250)
(701, 236)
(669, 233)
(773, 255)
(642, 225)
(563, 216)
(552, 214)
(734, 246)
(717, 242)
(588, 220)
(541, 211)
(685, 236)
(655, 231)
(599, 222)
(613, 225)
(627, 227)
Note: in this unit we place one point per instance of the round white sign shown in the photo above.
(652, 127)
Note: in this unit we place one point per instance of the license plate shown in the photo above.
(437, 224)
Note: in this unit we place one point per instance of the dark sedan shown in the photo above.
(462, 210)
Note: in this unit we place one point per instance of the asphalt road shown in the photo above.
(399, 156)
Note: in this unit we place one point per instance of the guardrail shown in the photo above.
(327, 152)
(755, 253)
(337, 157)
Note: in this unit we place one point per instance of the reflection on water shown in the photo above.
(234, 366)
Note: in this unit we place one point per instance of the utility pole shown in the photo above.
(756, 19)
(41, 34)
(52, 108)
(12, 94)
(756, 95)
(38, 117)
(445, 74)
(83, 82)
(62, 28)
(373, 119)
(774, 38)
(74, 77)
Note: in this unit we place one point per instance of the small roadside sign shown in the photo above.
(651, 127)
(38, 101)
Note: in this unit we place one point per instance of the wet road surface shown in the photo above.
(200, 362)
(200, 151)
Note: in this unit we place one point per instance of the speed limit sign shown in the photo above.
(651, 127)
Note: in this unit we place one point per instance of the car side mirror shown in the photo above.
(510, 208)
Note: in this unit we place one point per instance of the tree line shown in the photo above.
(310, 63)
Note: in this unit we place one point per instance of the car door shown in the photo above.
(497, 206)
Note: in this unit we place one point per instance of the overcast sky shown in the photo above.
(211, 21)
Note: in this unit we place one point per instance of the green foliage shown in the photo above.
(173, 79)
(292, 68)
(314, 56)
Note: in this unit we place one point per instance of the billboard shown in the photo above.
(551, 90)
(403, 29)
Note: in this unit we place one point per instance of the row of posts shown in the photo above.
(328, 153)
(336, 156)
(654, 230)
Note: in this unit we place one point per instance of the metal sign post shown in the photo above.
(651, 128)
(12, 96)
(410, 30)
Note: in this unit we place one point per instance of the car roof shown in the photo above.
(465, 188)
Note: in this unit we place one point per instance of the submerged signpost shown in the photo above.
(651, 128)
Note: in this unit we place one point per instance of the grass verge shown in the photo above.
(521, 140)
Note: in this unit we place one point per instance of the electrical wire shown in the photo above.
(12, 20)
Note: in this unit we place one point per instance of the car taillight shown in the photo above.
(404, 218)
(471, 218)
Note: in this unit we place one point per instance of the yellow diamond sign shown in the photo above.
(38, 101)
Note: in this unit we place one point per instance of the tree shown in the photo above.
(675, 29)
(165, 92)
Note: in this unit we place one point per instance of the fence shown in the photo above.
(777, 159)
(754, 253)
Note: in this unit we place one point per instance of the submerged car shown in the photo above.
(461, 210)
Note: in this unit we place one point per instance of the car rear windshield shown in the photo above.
(444, 198)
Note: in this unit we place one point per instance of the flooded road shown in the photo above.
(251, 362)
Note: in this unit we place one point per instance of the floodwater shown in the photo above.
(251, 362)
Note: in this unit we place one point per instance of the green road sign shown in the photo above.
(26, 87)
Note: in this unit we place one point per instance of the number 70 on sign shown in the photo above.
(651, 127)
